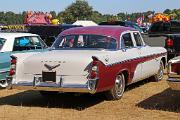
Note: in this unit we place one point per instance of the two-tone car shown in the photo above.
(174, 73)
(11, 43)
(89, 60)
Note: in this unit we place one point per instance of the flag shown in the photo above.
(139, 21)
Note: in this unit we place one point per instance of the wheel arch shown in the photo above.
(125, 72)
(163, 59)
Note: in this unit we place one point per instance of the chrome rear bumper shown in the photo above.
(76, 88)
(174, 83)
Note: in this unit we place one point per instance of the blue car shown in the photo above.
(123, 23)
(14, 43)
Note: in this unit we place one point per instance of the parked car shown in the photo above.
(49, 32)
(13, 43)
(167, 35)
(174, 73)
(89, 60)
(123, 23)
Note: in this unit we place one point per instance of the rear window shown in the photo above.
(28, 43)
(85, 41)
(2, 41)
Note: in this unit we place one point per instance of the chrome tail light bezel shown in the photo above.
(93, 76)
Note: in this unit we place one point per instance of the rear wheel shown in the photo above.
(159, 75)
(117, 91)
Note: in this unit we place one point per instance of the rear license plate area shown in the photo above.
(49, 76)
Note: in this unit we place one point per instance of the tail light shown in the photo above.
(94, 69)
(169, 43)
(93, 75)
(174, 69)
(13, 66)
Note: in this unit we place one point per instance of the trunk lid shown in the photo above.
(64, 62)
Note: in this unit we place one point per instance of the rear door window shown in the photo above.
(138, 39)
(126, 41)
(2, 41)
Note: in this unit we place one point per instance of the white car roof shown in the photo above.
(8, 35)
(8, 45)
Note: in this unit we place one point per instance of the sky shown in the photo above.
(103, 6)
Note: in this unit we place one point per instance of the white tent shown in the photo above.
(85, 23)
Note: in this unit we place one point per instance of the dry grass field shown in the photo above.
(141, 101)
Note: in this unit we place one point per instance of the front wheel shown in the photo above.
(118, 90)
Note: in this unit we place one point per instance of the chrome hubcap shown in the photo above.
(119, 85)
(160, 72)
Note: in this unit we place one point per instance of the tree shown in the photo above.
(174, 14)
(80, 10)
(121, 16)
(167, 11)
(53, 13)
(109, 17)
(96, 17)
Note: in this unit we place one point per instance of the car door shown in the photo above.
(131, 54)
(149, 64)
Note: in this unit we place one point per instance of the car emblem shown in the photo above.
(49, 67)
(107, 59)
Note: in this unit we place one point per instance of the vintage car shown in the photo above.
(123, 23)
(89, 60)
(13, 43)
(174, 73)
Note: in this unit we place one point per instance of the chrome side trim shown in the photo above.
(3, 72)
(128, 60)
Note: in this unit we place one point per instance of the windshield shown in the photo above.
(2, 41)
(85, 41)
